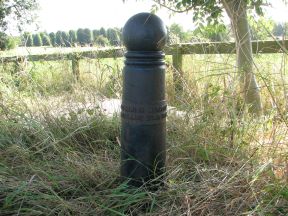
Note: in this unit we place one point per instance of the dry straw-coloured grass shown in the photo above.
(60, 156)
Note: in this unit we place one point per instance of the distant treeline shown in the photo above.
(72, 38)
(262, 29)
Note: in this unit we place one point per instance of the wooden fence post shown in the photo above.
(76, 67)
(177, 59)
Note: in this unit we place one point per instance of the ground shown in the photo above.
(60, 149)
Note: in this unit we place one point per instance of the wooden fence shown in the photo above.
(177, 51)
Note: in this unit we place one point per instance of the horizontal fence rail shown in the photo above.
(259, 47)
(93, 54)
(176, 50)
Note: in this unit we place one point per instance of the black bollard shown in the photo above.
(143, 109)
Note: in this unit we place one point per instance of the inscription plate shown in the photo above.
(146, 113)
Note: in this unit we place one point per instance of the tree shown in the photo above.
(260, 29)
(45, 39)
(101, 41)
(237, 12)
(103, 32)
(52, 37)
(113, 36)
(58, 39)
(27, 39)
(211, 12)
(84, 36)
(72, 37)
(30, 41)
(177, 30)
(6, 42)
(217, 32)
(13, 12)
(20, 11)
(279, 29)
(172, 38)
(95, 33)
(37, 41)
(65, 39)
(87, 36)
(81, 36)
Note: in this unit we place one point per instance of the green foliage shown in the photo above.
(261, 29)
(177, 30)
(84, 36)
(37, 41)
(87, 36)
(203, 10)
(52, 37)
(17, 10)
(65, 39)
(81, 36)
(103, 32)
(95, 33)
(217, 32)
(280, 29)
(58, 39)
(113, 36)
(27, 39)
(211, 12)
(172, 38)
(30, 41)
(176, 34)
(207, 11)
(72, 37)
(102, 41)
(7, 42)
(45, 39)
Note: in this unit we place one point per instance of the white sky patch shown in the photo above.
(66, 14)
(278, 11)
(94, 14)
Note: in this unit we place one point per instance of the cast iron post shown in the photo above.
(143, 109)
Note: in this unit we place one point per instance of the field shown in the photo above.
(59, 152)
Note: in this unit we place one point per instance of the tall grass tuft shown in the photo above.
(59, 151)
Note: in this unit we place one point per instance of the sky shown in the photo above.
(73, 14)
(94, 14)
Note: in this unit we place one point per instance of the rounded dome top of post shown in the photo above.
(144, 32)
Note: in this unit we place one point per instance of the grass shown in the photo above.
(59, 154)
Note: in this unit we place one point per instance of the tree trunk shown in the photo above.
(237, 12)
